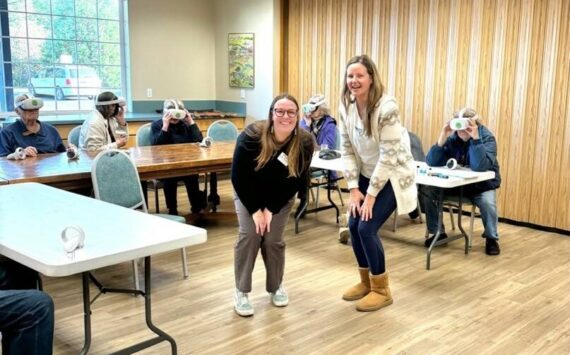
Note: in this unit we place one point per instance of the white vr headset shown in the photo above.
(119, 101)
(461, 123)
(176, 112)
(31, 103)
(313, 105)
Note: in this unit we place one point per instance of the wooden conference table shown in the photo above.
(153, 162)
(33, 216)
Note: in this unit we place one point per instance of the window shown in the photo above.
(64, 51)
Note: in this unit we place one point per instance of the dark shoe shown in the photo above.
(173, 212)
(414, 214)
(492, 247)
(428, 241)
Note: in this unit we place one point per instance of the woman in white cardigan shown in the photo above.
(380, 174)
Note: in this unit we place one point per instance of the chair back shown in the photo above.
(143, 135)
(222, 130)
(336, 138)
(116, 180)
(73, 136)
(416, 147)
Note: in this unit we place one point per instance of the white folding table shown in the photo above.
(329, 166)
(33, 216)
(445, 178)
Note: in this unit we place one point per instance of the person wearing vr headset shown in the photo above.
(380, 173)
(106, 127)
(28, 132)
(471, 144)
(270, 166)
(178, 126)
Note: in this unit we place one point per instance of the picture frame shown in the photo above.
(241, 60)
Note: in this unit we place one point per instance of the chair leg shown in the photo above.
(184, 263)
(395, 223)
(317, 200)
(340, 194)
(136, 274)
(312, 194)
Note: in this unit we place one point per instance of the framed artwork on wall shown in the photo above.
(241, 50)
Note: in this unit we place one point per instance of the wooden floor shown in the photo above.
(518, 302)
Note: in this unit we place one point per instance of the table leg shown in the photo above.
(439, 225)
(329, 189)
(459, 220)
(86, 313)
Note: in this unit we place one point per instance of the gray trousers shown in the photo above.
(272, 248)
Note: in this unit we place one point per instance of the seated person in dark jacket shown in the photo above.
(177, 126)
(28, 132)
(26, 314)
(475, 147)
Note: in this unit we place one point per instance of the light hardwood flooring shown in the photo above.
(515, 303)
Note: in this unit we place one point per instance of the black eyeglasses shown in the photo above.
(280, 113)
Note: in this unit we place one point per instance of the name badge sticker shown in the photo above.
(283, 158)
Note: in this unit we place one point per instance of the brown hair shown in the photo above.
(375, 92)
(263, 130)
(106, 110)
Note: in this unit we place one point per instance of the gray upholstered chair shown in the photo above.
(116, 180)
(143, 139)
(73, 136)
(219, 131)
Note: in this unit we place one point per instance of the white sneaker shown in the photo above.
(242, 305)
(279, 298)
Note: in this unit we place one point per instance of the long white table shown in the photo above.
(33, 216)
(445, 179)
(329, 166)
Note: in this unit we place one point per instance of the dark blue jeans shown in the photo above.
(26, 322)
(364, 235)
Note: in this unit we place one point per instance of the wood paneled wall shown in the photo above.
(508, 59)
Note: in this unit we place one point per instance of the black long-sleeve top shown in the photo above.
(180, 132)
(269, 187)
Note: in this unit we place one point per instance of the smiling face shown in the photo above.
(285, 116)
(358, 81)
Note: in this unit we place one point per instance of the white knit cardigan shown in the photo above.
(395, 162)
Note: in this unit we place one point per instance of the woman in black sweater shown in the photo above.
(270, 165)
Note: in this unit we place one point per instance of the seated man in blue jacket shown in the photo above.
(26, 314)
(475, 147)
(177, 126)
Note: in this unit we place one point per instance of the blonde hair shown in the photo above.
(375, 92)
(263, 130)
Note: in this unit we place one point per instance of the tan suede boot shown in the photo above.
(359, 290)
(379, 296)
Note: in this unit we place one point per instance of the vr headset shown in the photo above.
(329, 154)
(461, 123)
(313, 104)
(31, 103)
(120, 102)
(176, 112)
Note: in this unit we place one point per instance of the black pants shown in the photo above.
(197, 198)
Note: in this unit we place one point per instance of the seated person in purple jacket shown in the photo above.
(177, 126)
(28, 132)
(473, 146)
(318, 121)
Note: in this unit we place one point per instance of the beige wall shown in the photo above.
(172, 49)
(255, 16)
(508, 59)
